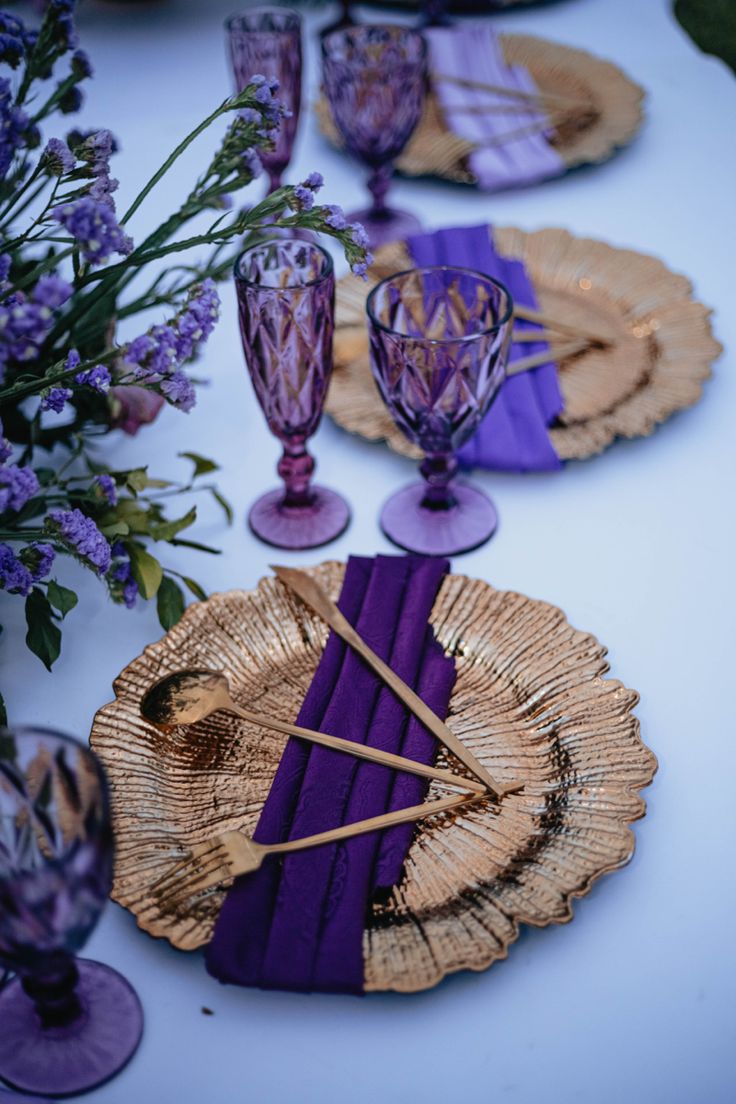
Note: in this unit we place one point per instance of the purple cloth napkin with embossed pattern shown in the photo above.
(514, 434)
(298, 923)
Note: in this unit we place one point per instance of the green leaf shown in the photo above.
(60, 597)
(146, 570)
(195, 588)
(181, 542)
(222, 501)
(201, 464)
(137, 480)
(43, 636)
(169, 603)
(167, 530)
(115, 529)
(129, 511)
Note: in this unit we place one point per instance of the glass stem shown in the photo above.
(54, 993)
(295, 468)
(274, 180)
(438, 471)
(378, 185)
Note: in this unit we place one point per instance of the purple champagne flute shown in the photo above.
(67, 1024)
(439, 341)
(286, 303)
(375, 79)
(269, 41)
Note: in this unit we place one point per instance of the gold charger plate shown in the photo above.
(531, 701)
(611, 115)
(660, 352)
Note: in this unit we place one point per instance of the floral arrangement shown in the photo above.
(67, 261)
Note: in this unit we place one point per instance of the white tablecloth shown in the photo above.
(633, 1000)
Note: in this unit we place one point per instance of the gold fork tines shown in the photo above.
(232, 854)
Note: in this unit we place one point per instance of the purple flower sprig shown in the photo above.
(326, 219)
(81, 536)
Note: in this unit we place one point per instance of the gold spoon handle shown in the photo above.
(372, 824)
(361, 751)
(314, 596)
(529, 314)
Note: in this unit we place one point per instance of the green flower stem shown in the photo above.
(41, 267)
(32, 387)
(21, 192)
(24, 535)
(226, 105)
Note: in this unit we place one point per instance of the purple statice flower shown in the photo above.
(335, 217)
(81, 65)
(25, 321)
(72, 361)
(197, 320)
(64, 32)
(106, 483)
(159, 353)
(360, 268)
(358, 235)
(5, 262)
(250, 115)
(58, 158)
(71, 101)
(14, 575)
(253, 164)
(56, 399)
(52, 292)
(304, 198)
(17, 485)
(95, 229)
(102, 188)
(121, 575)
(11, 49)
(82, 535)
(98, 378)
(16, 129)
(39, 559)
(179, 391)
(315, 181)
(6, 449)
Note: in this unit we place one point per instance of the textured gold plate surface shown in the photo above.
(530, 700)
(661, 342)
(611, 115)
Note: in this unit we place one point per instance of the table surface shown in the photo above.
(633, 1000)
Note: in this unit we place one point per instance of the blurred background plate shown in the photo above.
(661, 349)
(611, 117)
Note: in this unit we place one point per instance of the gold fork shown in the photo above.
(230, 854)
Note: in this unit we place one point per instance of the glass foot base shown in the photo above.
(466, 525)
(390, 225)
(297, 527)
(62, 1061)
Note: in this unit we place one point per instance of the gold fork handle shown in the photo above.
(372, 824)
(360, 751)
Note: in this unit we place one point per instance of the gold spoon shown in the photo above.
(186, 697)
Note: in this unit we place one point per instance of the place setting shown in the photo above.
(368, 772)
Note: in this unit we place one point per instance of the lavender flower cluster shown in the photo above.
(26, 320)
(156, 357)
(16, 129)
(79, 533)
(17, 486)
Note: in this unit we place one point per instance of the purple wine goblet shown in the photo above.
(286, 303)
(67, 1024)
(439, 340)
(269, 41)
(375, 78)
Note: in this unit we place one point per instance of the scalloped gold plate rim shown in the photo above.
(530, 699)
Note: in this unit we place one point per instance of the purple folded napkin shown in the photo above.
(511, 150)
(298, 924)
(513, 436)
